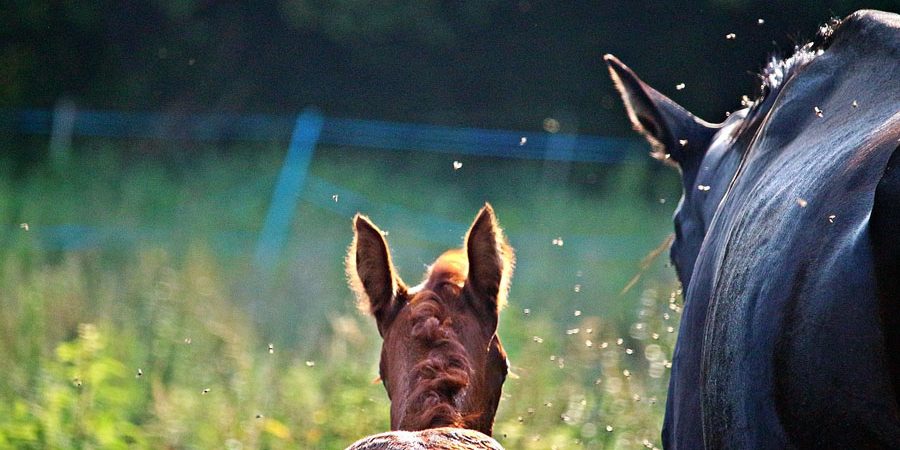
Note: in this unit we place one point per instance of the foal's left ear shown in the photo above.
(491, 262)
(371, 273)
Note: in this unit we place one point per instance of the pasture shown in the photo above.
(133, 316)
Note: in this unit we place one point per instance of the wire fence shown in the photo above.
(334, 131)
(306, 131)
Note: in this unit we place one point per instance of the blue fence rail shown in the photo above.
(306, 132)
(335, 131)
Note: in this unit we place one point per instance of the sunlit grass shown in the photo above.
(161, 339)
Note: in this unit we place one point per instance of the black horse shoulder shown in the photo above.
(885, 229)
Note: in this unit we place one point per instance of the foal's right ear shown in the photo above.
(491, 262)
(371, 274)
(671, 129)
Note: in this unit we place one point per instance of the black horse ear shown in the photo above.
(491, 262)
(670, 129)
(371, 273)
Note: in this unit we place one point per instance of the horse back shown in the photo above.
(797, 261)
(443, 438)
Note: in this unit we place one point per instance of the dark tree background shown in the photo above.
(485, 63)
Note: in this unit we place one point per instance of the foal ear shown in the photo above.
(491, 262)
(371, 274)
(669, 128)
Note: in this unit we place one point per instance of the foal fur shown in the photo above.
(442, 363)
(440, 377)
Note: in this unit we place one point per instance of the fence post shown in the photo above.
(287, 190)
(61, 133)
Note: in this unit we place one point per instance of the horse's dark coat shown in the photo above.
(790, 335)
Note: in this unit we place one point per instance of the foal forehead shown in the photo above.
(452, 266)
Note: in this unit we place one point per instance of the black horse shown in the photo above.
(787, 243)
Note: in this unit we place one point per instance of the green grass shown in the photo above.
(171, 292)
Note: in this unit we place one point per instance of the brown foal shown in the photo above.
(442, 363)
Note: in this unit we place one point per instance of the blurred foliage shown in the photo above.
(160, 337)
(475, 63)
(430, 22)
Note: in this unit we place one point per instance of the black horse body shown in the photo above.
(788, 246)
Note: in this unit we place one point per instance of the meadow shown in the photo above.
(133, 316)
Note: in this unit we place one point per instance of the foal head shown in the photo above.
(441, 360)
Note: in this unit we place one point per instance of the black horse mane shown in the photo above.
(779, 70)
